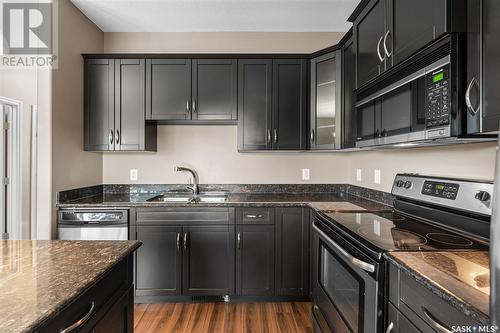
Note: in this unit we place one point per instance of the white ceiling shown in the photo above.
(218, 15)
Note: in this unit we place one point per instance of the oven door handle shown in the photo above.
(355, 261)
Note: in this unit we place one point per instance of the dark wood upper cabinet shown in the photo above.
(255, 260)
(115, 106)
(387, 32)
(208, 265)
(289, 104)
(292, 251)
(369, 31)
(99, 105)
(349, 131)
(168, 87)
(214, 89)
(159, 261)
(272, 104)
(254, 104)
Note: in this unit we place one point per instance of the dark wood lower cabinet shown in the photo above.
(208, 265)
(263, 252)
(292, 252)
(120, 318)
(159, 260)
(255, 260)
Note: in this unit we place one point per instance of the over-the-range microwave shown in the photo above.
(424, 100)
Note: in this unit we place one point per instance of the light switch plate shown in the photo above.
(306, 174)
(133, 174)
(376, 176)
(358, 175)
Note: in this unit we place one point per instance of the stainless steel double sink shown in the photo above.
(209, 197)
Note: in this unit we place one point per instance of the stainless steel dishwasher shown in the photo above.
(85, 224)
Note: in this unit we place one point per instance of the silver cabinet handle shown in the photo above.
(435, 323)
(268, 136)
(187, 106)
(80, 321)
(385, 43)
(178, 241)
(254, 216)
(390, 328)
(312, 136)
(275, 136)
(468, 102)
(185, 240)
(238, 241)
(355, 261)
(111, 137)
(117, 137)
(378, 49)
(194, 105)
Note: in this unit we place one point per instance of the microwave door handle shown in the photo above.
(473, 111)
(355, 261)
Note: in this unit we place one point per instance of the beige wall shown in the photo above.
(219, 42)
(212, 150)
(71, 166)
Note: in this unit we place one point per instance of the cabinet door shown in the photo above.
(292, 252)
(325, 101)
(215, 89)
(289, 98)
(474, 104)
(130, 105)
(254, 104)
(255, 260)
(168, 88)
(159, 261)
(349, 131)
(411, 26)
(99, 105)
(119, 318)
(491, 66)
(208, 266)
(367, 122)
(397, 322)
(369, 31)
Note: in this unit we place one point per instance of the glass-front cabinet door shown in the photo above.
(326, 122)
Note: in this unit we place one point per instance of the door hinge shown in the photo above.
(6, 181)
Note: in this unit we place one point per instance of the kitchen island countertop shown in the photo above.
(39, 278)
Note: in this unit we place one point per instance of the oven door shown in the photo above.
(345, 288)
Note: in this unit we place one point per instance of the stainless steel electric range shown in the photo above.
(430, 214)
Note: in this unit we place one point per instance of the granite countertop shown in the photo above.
(317, 201)
(39, 278)
(460, 278)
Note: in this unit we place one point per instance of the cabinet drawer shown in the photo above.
(255, 215)
(89, 304)
(433, 310)
(398, 323)
(154, 216)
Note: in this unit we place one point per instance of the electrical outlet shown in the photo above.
(358, 175)
(133, 174)
(306, 174)
(376, 176)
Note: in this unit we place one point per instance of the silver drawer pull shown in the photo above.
(239, 240)
(436, 324)
(80, 321)
(254, 216)
(390, 328)
(353, 260)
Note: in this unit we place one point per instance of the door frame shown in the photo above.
(14, 188)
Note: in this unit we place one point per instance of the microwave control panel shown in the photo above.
(438, 98)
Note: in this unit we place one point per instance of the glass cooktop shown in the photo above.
(393, 232)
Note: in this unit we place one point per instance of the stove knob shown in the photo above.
(407, 184)
(483, 196)
(400, 183)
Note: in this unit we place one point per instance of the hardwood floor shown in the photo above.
(223, 317)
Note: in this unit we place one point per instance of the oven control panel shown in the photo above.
(440, 189)
(438, 98)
